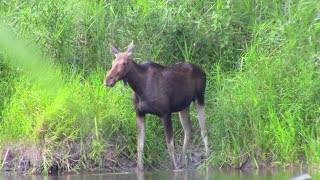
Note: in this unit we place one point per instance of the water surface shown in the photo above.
(204, 174)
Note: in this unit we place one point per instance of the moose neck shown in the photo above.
(136, 78)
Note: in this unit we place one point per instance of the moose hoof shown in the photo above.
(207, 155)
(179, 167)
(178, 170)
(139, 169)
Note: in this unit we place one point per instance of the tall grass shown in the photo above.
(271, 103)
(259, 56)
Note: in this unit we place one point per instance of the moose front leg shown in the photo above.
(169, 137)
(141, 130)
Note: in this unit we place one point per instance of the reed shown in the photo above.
(261, 59)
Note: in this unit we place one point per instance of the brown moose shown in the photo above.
(161, 91)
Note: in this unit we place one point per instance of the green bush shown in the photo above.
(261, 59)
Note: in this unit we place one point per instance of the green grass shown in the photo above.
(260, 59)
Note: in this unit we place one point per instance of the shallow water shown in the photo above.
(178, 175)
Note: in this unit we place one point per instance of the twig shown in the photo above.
(5, 158)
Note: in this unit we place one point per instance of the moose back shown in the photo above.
(161, 91)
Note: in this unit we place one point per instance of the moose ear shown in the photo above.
(130, 48)
(113, 50)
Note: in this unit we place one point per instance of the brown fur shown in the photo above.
(160, 91)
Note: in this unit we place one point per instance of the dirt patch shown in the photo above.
(30, 158)
(20, 158)
(46, 157)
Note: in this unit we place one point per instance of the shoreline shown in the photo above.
(31, 160)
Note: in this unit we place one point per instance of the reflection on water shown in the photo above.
(203, 174)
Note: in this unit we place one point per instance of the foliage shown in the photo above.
(261, 58)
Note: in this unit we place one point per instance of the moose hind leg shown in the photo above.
(186, 125)
(141, 132)
(202, 122)
(169, 137)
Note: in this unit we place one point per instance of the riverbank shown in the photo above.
(26, 158)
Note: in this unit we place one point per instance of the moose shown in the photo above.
(161, 90)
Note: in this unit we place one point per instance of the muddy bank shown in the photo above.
(28, 158)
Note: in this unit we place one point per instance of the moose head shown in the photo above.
(120, 65)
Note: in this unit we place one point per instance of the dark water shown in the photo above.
(208, 174)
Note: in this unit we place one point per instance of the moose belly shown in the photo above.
(152, 108)
(177, 105)
(161, 107)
